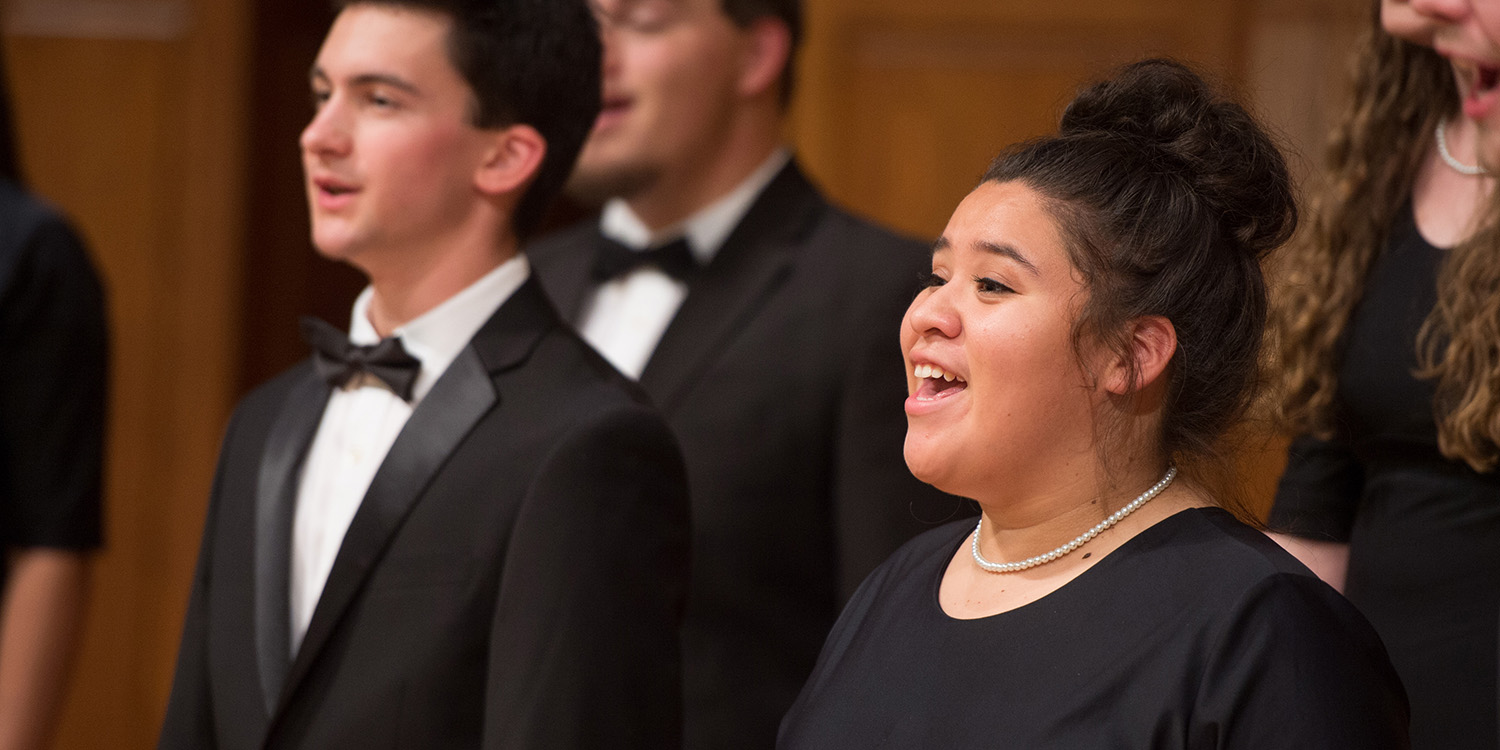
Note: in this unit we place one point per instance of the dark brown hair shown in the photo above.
(1168, 196)
(533, 62)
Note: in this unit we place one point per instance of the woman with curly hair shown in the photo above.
(1388, 326)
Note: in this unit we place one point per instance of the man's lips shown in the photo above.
(613, 110)
(330, 193)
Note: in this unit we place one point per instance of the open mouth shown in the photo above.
(1485, 78)
(1482, 90)
(933, 382)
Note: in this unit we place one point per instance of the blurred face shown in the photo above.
(390, 155)
(671, 68)
(1467, 33)
(997, 395)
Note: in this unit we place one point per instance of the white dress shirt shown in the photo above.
(361, 423)
(625, 318)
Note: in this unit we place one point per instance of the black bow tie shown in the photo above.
(339, 361)
(615, 260)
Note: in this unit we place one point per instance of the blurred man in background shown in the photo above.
(763, 322)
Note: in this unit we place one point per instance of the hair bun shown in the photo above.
(1164, 109)
(1167, 195)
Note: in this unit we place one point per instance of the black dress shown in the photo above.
(1424, 531)
(53, 374)
(1197, 633)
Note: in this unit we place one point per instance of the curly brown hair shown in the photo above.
(1401, 92)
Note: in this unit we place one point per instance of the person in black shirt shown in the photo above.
(1089, 333)
(54, 348)
(1388, 331)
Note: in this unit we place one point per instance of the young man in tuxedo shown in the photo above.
(458, 527)
(763, 322)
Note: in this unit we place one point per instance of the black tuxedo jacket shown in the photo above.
(512, 579)
(782, 377)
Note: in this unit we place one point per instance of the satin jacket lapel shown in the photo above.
(461, 397)
(276, 499)
(756, 258)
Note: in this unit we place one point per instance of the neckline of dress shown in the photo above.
(1109, 560)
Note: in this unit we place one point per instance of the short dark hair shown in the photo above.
(789, 12)
(532, 62)
(1168, 196)
(10, 157)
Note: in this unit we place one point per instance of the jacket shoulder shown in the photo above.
(545, 250)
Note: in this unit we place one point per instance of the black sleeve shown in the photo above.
(1319, 493)
(52, 393)
(585, 650)
(1297, 666)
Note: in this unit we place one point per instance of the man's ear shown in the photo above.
(1152, 340)
(767, 50)
(513, 158)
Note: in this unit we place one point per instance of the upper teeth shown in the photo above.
(933, 371)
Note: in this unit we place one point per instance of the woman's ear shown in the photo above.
(511, 161)
(767, 52)
(1152, 340)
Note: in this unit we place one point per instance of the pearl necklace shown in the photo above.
(1079, 541)
(1472, 170)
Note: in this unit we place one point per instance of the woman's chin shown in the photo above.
(929, 464)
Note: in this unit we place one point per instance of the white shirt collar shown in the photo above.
(705, 230)
(437, 336)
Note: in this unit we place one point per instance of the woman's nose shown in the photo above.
(933, 312)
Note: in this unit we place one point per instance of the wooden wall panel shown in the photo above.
(904, 104)
(135, 128)
(96, 152)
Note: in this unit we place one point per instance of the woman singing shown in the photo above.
(1090, 330)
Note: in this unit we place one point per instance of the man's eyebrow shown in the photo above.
(369, 79)
(1008, 251)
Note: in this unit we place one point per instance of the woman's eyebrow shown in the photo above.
(994, 248)
(1007, 251)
